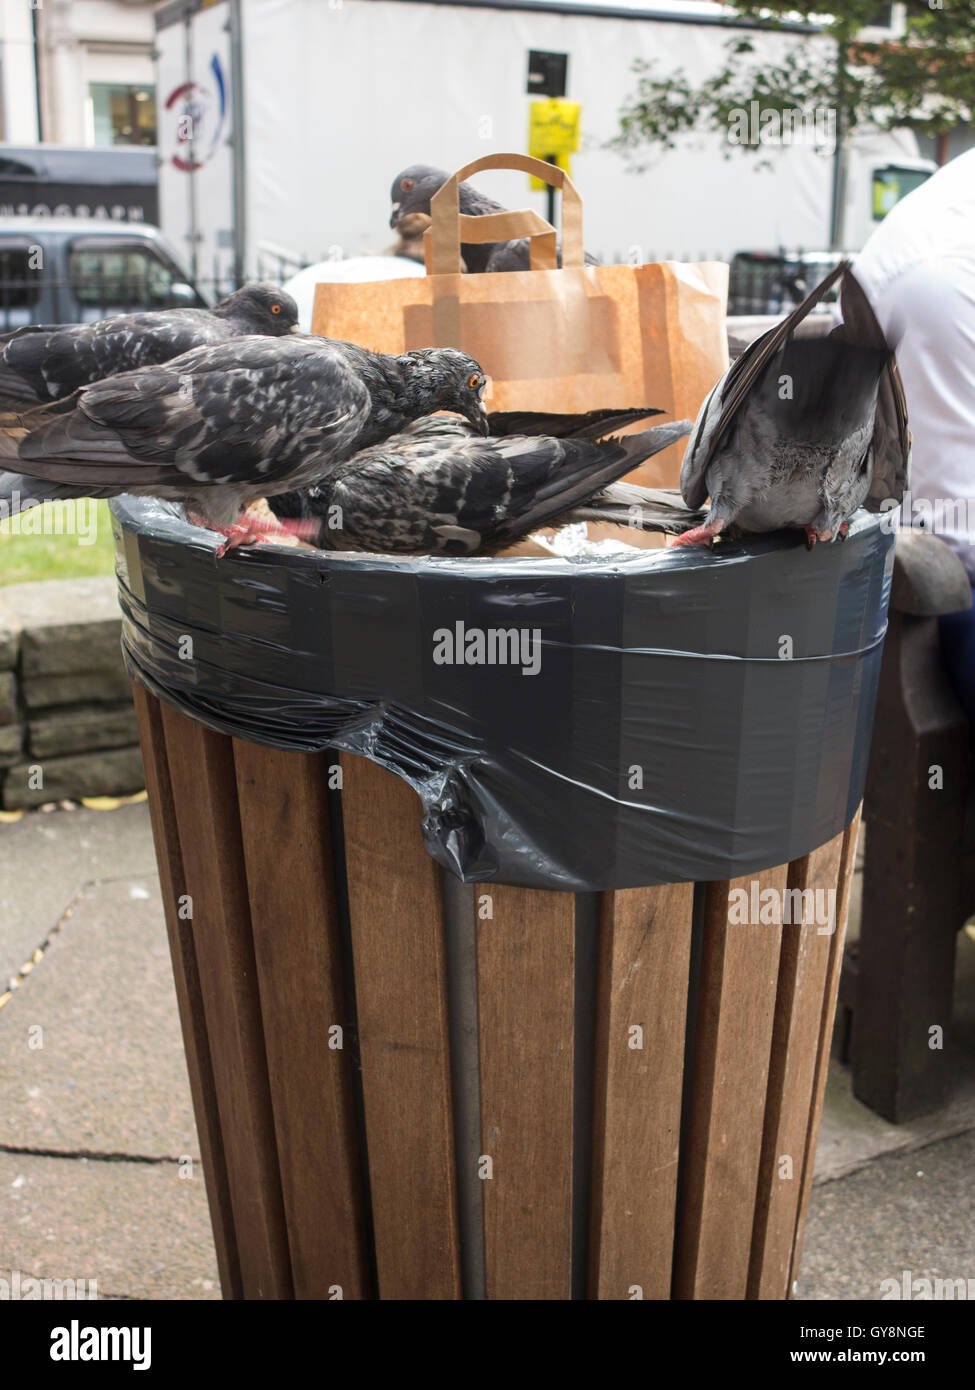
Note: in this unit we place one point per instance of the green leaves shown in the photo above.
(924, 80)
(666, 106)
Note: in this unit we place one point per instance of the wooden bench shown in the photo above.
(918, 887)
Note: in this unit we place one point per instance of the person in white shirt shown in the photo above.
(918, 271)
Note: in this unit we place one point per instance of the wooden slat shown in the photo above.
(285, 831)
(733, 1037)
(525, 957)
(201, 767)
(645, 945)
(843, 892)
(188, 994)
(795, 1043)
(396, 921)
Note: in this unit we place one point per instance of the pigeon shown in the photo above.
(221, 426)
(411, 193)
(801, 432)
(409, 237)
(437, 487)
(40, 364)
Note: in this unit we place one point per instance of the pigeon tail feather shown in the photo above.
(578, 478)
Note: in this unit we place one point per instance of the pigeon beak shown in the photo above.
(394, 215)
(295, 328)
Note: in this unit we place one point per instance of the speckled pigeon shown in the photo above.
(411, 193)
(438, 488)
(221, 426)
(40, 364)
(801, 431)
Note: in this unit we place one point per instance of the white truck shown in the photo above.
(282, 124)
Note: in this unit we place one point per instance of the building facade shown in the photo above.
(77, 72)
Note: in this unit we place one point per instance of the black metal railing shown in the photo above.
(758, 284)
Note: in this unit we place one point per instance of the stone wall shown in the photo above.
(67, 725)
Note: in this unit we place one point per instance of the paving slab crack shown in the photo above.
(37, 955)
(909, 1146)
(92, 1155)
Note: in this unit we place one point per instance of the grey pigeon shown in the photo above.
(438, 488)
(222, 426)
(411, 193)
(40, 364)
(800, 432)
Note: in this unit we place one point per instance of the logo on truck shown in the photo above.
(197, 108)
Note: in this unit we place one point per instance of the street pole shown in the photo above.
(836, 220)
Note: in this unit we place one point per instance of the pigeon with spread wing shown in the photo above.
(800, 432)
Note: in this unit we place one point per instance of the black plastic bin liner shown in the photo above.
(693, 715)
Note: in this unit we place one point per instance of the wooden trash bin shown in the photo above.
(412, 1087)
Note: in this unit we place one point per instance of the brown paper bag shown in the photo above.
(576, 339)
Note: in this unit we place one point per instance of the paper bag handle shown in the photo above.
(450, 228)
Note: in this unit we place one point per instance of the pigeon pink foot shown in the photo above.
(700, 535)
(258, 523)
(812, 536)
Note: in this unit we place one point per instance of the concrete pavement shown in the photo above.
(99, 1169)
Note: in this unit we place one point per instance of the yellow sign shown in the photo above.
(553, 132)
(885, 195)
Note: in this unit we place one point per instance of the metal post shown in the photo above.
(238, 137)
(836, 220)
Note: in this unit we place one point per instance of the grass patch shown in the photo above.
(31, 549)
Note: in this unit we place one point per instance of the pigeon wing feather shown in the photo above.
(722, 405)
(892, 436)
(593, 424)
(41, 364)
(439, 487)
(250, 411)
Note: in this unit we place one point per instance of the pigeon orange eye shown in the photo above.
(275, 308)
(474, 382)
(407, 185)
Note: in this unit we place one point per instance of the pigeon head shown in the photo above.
(261, 308)
(413, 189)
(450, 380)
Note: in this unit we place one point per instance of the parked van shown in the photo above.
(75, 270)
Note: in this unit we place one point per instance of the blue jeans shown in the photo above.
(957, 633)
